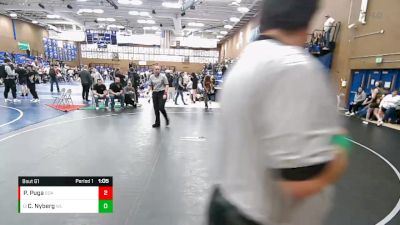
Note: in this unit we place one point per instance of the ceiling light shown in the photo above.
(99, 11)
(144, 14)
(173, 5)
(146, 21)
(115, 26)
(243, 9)
(193, 24)
(85, 11)
(220, 36)
(106, 19)
(13, 15)
(53, 16)
(228, 26)
(81, 0)
(224, 32)
(234, 19)
(158, 32)
(130, 2)
(35, 22)
(191, 29)
(134, 13)
(150, 28)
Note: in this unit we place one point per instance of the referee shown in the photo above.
(159, 85)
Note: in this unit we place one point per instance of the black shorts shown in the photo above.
(374, 105)
(23, 81)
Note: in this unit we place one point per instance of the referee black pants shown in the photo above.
(159, 106)
(222, 212)
(9, 84)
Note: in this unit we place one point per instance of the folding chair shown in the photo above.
(101, 100)
(68, 98)
(60, 98)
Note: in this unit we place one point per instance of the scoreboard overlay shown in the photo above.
(65, 195)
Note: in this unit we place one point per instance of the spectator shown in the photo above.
(100, 92)
(180, 87)
(23, 79)
(195, 82)
(121, 77)
(86, 81)
(208, 87)
(31, 81)
(53, 78)
(388, 106)
(327, 30)
(136, 85)
(3, 73)
(359, 98)
(116, 92)
(171, 89)
(96, 75)
(130, 74)
(376, 97)
(9, 81)
(364, 107)
(130, 95)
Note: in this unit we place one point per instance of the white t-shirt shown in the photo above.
(329, 23)
(278, 112)
(390, 102)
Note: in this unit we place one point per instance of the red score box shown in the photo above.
(105, 193)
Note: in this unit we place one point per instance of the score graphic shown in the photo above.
(65, 195)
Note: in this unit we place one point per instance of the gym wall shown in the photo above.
(352, 52)
(353, 49)
(25, 32)
(231, 48)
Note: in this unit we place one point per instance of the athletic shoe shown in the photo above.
(36, 100)
(16, 101)
(365, 122)
(97, 108)
(33, 100)
(156, 125)
(347, 113)
(352, 114)
(380, 123)
(7, 100)
(167, 122)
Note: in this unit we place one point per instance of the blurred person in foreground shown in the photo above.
(280, 155)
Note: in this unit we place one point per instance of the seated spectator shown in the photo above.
(100, 92)
(130, 95)
(388, 106)
(116, 92)
(358, 101)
